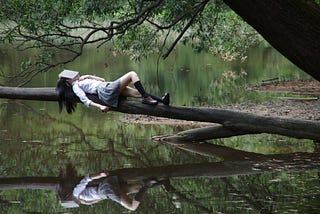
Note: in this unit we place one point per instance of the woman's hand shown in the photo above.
(99, 106)
(104, 174)
(104, 108)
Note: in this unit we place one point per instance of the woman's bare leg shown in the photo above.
(130, 92)
(132, 77)
(125, 80)
(131, 188)
(128, 202)
(126, 189)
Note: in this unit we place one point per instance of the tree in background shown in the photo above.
(290, 26)
(141, 27)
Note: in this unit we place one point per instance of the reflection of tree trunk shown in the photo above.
(208, 149)
(317, 146)
(244, 123)
(139, 174)
(187, 171)
(29, 183)
(277, 162)
(274, 163)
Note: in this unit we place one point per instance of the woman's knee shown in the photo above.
(132, 73)
(134, 76)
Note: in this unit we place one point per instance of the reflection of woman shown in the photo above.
(70, 83)
(108, 188)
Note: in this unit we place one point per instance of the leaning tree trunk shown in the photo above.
(231, 121)
(290, 26)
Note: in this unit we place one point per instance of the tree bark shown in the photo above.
(232, 120)
(42, 94)
(290, 26)
(200, 134)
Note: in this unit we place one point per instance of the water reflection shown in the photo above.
(196, 186)
(100, 186)
(36, 142)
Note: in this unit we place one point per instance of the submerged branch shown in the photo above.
(200, 134)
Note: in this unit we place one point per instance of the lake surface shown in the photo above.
(38, 143)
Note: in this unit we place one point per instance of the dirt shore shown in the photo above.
(307, 106)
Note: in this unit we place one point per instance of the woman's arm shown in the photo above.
(84, 182)
(129, 203)
(91, 77)
(101, 107)
(81, 186)
(85, 100)
(89, 202)
(99, 175)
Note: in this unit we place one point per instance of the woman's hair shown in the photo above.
(66, 96)
(68, 180)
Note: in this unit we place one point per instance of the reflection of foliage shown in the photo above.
(40, 143)
(275, 192)
(265, 193)
(55, 141)
(133, 26)
(268, 144)
(231, 88)
(61, 140)
(29, 201)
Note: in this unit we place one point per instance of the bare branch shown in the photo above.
(63, 38)
(198, 11)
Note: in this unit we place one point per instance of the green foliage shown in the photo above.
(232, 37)
(216, 29)
(135, 27)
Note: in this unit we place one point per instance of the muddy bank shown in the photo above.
(305, 107)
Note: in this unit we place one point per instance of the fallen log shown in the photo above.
(246, 123)
(201, 134)
(41, 94)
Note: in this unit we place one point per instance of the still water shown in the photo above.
(38, 144)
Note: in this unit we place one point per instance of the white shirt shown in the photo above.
(87, 194)
(80, 88)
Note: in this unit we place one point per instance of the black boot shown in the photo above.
(146, 98)
(149, 101)
(165, 99)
